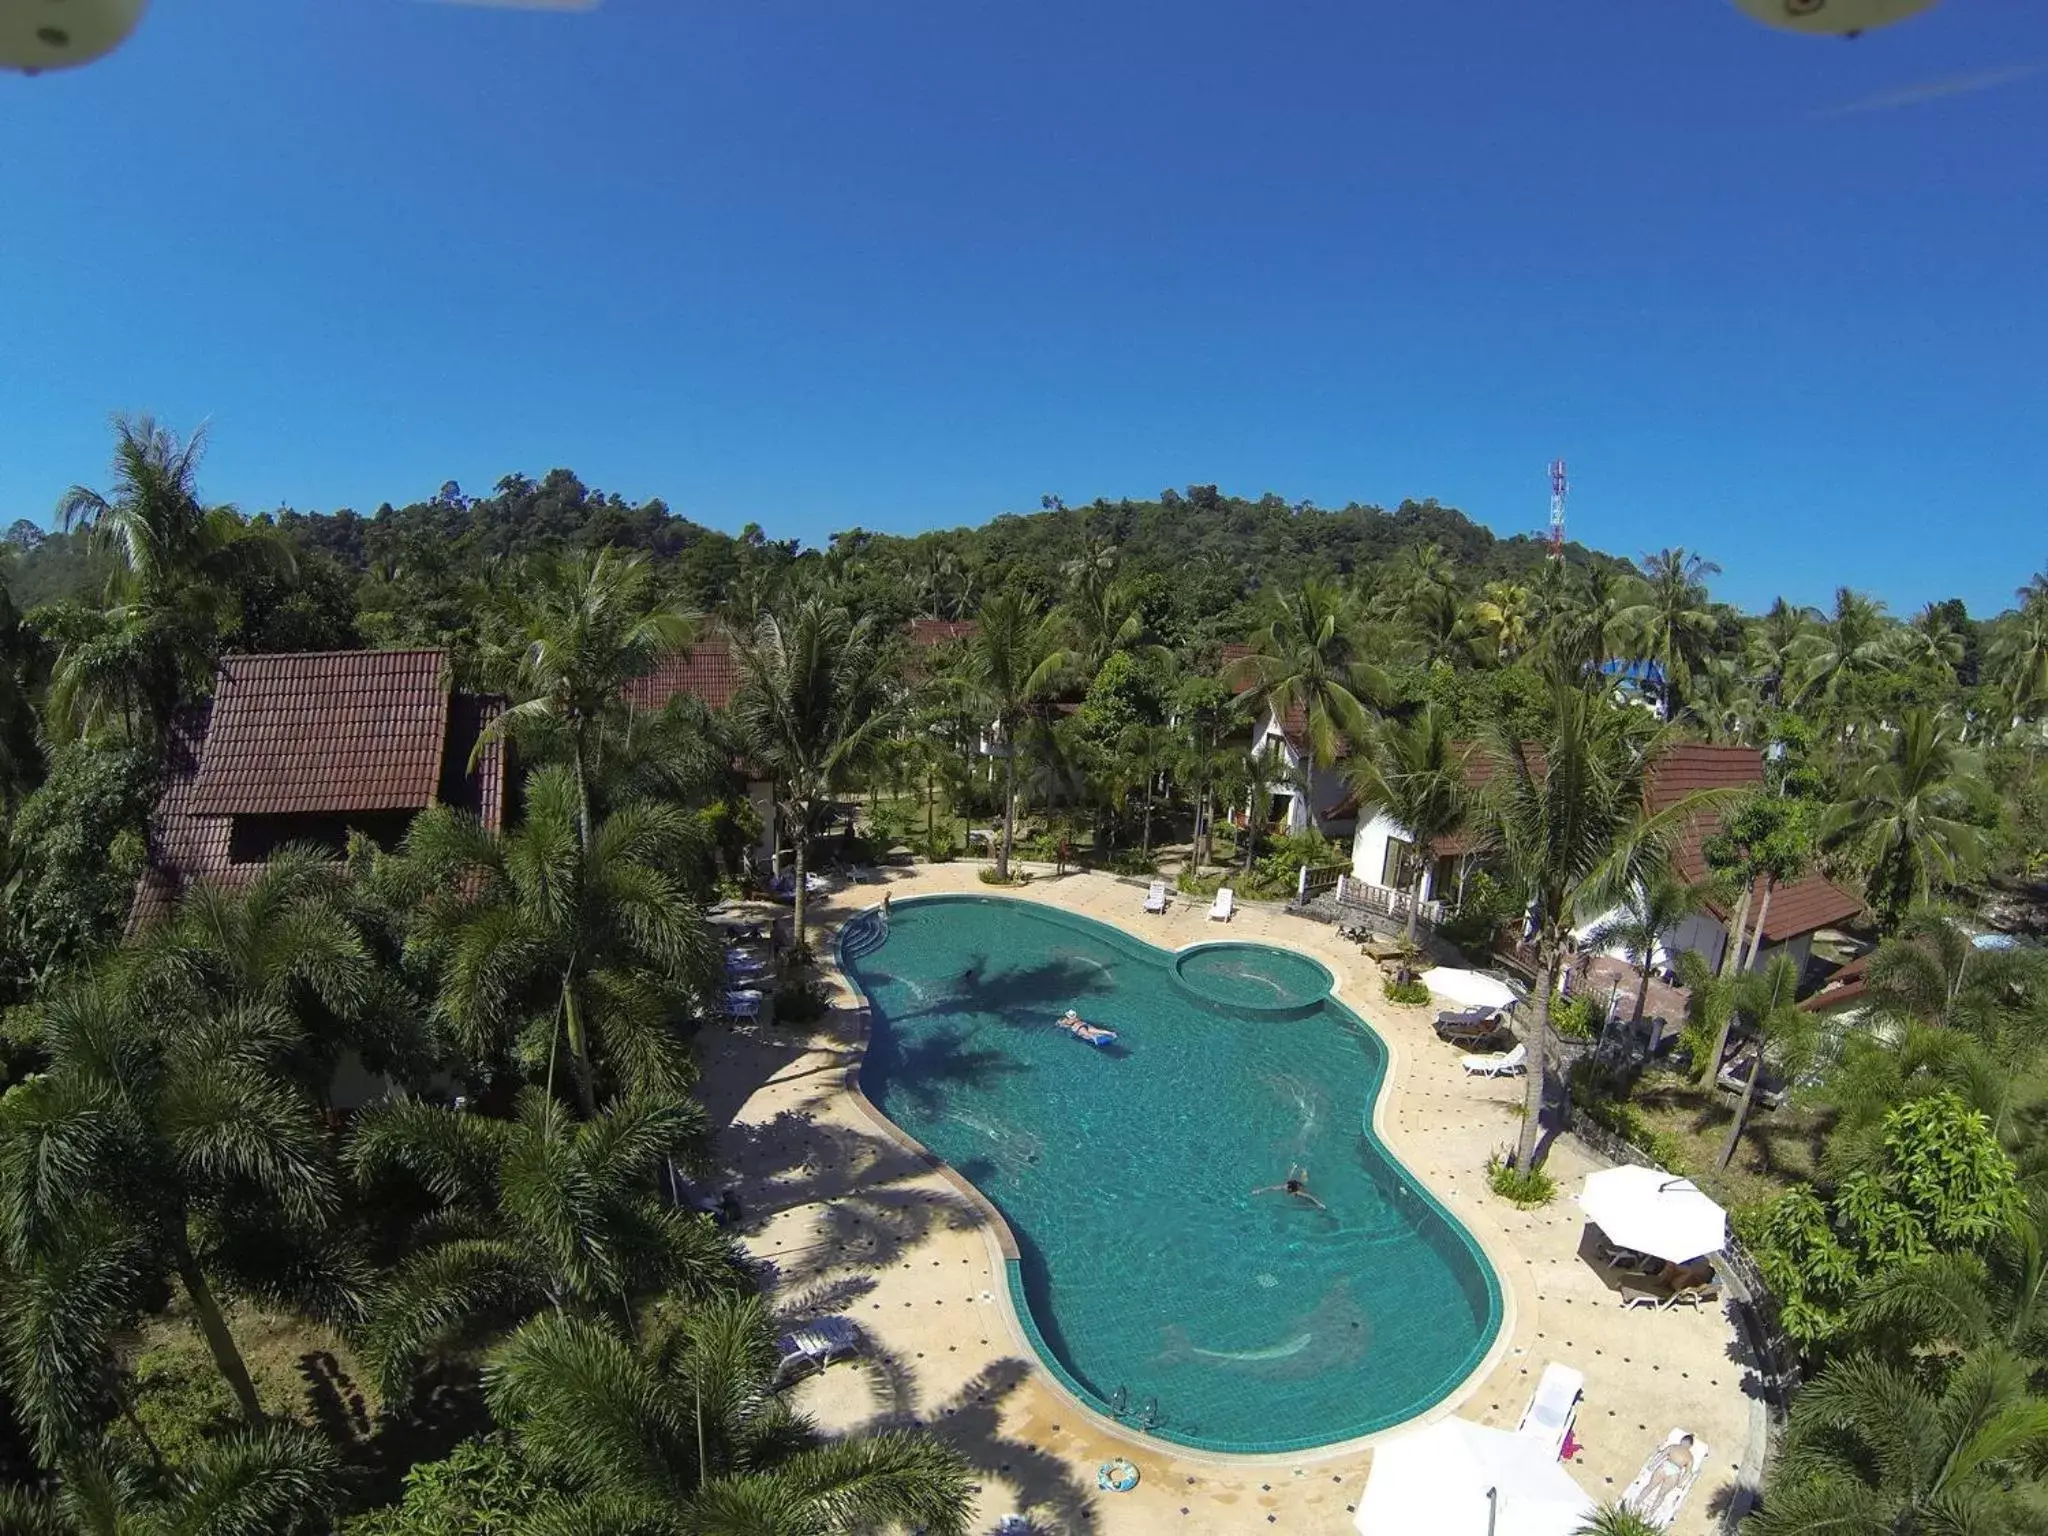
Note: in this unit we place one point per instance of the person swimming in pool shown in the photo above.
(1295, 1184)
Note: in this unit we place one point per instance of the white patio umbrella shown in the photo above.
(1654, 1212)
(1454, 1478)
(1470, 989)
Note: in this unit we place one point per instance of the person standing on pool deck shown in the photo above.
(1295, 1184)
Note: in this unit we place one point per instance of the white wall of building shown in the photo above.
(1369, 854)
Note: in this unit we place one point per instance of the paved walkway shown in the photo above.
(858, 1224)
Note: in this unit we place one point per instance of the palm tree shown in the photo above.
(1649, 909)
(272, 1482)
(1506, 610)
(577, 629)
(1097, 621)
(1010, 663)
(1592, 627)
(1932, 638)
(812, 709)
(1880, 1070)
(1309, 660)
(1566, 817)
(536, 1212)
(1148, 749)
(1673, 622)
(166, 605)
(686, 1435)
(1931, 972)
(535, 938)
(168, 1114)
(1846, 644)
(1908, 810)
(1874, 1447)
(1613, 1520)
(1784, 1034)
(1415, 775)
(2019, 659)
(1773, 644)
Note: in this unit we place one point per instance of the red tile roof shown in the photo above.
(708, 671)
(1808, 903)
(296, 744)
(925, 632)
(324, 731)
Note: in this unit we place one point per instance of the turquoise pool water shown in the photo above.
(1152, 1276)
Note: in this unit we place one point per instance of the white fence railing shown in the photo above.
(1386, 901)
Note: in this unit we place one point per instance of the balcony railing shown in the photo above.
(1384, 901)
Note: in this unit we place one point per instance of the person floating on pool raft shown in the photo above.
(1081, 1029)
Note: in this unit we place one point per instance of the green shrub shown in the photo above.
(1527, 1188)
(181, 1402)
(941, 849)
(482, 1488)
(1133, 861)
(990, 876)
(1410, 993)
(1188, 885)
(1574, 1018)
(1488, 903)
(1603, 1099)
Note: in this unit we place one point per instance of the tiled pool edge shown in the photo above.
(995, 1228)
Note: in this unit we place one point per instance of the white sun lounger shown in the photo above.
(1220, 913)
(1556, 1403)
(1656, 1499)
(815, 1346)
(1500, 1064)
(744, 1003)
(1155, 899)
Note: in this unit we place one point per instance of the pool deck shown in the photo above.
(857, 1221)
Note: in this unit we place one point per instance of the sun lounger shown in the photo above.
(1500, 1064)
(1639, 1296)
(1660, 1488)
(1220, 912)
(1463, 1017)
(815, 1346)
(1556, 1403)
(1476, 1033)
(744, 1003)
(1708, 1293)
(1155, 899)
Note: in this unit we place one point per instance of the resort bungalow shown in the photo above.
(1305, 787)
(1384, 862)
(709, 673)
(309, 749)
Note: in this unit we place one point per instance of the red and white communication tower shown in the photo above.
(1557, 509)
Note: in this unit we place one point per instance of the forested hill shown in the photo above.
(1217, 549)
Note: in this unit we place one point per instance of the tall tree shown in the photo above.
(1010, 665)
(686, 1435)
(1309, 660)
(272, 1482)
(528, 1214)
(1908, 811)
(812, 709)
(536, 940)
(1847, 643)
(1649, 909)
(1566, 817)
(1782, 1031)
(1674, 623)
(1415, 774)
(575, 630)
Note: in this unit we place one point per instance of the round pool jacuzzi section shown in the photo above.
(1253, 980)
(1164, 1272)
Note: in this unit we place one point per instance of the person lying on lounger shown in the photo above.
(1671, 1473)
(1295, 1184)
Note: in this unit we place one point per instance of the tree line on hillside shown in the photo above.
(163, 1154)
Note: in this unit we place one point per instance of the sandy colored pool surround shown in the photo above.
(858, 1218)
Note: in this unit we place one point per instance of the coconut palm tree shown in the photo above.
(1309, 660)
(1566, 817)
(684, 1434)
(170, 1114)
(533, 1213)
(1931, 972)
(1506, 611)
(1909, 812)
(1773, 643)
(576, 629)
(1592, 626)
(1880, 1070)
(1149, 750)
(1847, 643)
(1876, 1446)
(277, 1481)
(1931, 638)
(1415, 775)
(1673, 621)
(1098, 620)
(536, 940)
(1784, 1034)
(1649, 909)
(1009, 664)
(2019, 659)
(812, 709)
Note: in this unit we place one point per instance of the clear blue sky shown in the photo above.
(911, 263)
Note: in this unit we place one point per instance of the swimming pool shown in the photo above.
(1155, 1281)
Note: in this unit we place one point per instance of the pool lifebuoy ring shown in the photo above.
(1116, 1476)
